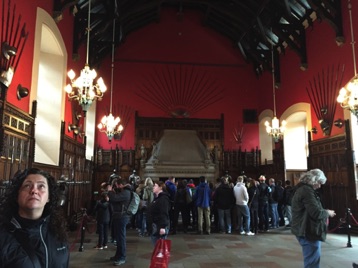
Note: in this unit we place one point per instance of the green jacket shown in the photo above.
(309, 218)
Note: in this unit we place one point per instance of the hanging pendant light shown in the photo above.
(348, 95)
(109, 124)
(82, 88)
(275, 130)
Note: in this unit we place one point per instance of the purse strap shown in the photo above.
(24, 242)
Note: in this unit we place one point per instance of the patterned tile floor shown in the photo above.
(275, 249)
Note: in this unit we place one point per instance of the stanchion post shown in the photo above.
(83, 229)
(348, 222)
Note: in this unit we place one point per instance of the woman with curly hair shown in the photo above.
(32, 230)
(309, 218)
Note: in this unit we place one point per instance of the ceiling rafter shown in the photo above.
(248, 24)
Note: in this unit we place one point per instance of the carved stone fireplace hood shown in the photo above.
(179, 153)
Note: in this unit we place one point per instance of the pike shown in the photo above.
(2, 28)
(316, 98)
(2, 21)
(10, 40)
(312, 99)
(21, 49)
(7, 22)
(332, 95)
(16, 34)
(320, 95)
(12, 24)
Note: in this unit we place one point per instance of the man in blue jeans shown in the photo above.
(243, 211)
(119, 197)
(273, 204)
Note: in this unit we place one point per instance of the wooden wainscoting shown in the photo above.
(16, 141)
(334, 156)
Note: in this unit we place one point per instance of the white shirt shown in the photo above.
(241, 195)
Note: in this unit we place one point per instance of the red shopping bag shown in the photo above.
(161, 253)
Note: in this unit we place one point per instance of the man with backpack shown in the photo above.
(120, 200)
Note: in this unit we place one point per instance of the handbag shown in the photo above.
(161, 253)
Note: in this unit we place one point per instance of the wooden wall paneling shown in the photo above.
(334, 156)
(16, 140)
(107, 160)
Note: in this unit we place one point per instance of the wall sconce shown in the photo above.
(314, 130)
(21, 92)
(339, 123)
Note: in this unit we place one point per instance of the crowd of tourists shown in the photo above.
(242, 206)
(32, 222)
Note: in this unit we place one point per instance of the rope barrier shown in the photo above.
(83, 227)
(346, 223)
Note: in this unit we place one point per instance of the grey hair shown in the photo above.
(148, 182)
(313, 176)
(240, 178)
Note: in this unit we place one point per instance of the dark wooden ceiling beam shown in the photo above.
(59, 6)
(247, 24)
(330, 11)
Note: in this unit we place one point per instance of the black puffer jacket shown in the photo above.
(51, 253)
(158, 211)
(224, 197)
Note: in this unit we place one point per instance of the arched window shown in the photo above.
(48, 79)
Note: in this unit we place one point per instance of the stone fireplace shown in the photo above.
(179, 153)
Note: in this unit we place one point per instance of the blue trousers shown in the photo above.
(120, 232)
(102, 228)
(311, 252)
(274, 215)
(243, 212)
(224, 217)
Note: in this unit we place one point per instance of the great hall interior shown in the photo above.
(193, 83)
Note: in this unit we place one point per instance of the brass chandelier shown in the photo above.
(275, 130)
(348, 95)
(109, 124)
(83, 88)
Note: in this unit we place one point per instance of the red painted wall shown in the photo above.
(172, 43)
(186, 43)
